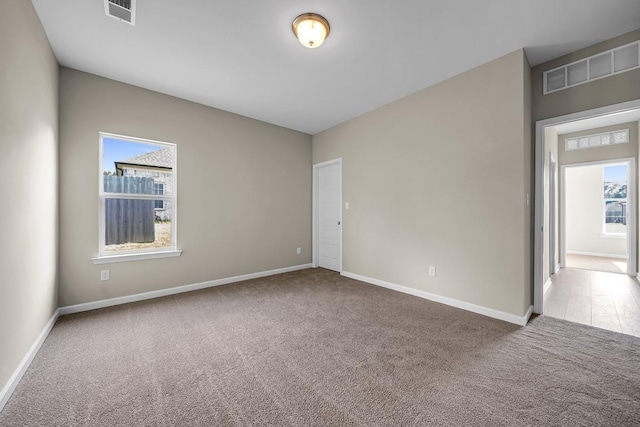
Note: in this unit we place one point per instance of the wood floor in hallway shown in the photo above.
(605, 300)
(586, 262)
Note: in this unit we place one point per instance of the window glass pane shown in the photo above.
(620, 136)
(615, 195)
(615, 182)
(616, 216)
(572, 144)
(158, 188)
(123, 158)
(133, 224)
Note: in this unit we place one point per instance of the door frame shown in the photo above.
(314, 206)
(538, 284)
(553, 180)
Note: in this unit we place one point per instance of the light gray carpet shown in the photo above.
(313, 348)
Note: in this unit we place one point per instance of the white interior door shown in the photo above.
(329, 216)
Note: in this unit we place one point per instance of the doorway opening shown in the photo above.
(547, 142)
(586, 218)
(594, 212)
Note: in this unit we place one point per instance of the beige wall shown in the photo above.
(585, 215)
(29, 176)
(244, 189)
(440, 178)
(599, 93)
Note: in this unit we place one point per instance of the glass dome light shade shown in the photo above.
(311, 29)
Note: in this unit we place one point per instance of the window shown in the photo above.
(158, 188)
(597, 140)
(615, 199)
(137, 195)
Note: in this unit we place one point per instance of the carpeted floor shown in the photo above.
(313, 348)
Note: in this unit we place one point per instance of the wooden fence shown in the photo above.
(126, 220)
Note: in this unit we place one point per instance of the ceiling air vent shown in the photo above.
(122, 10)
(605, 64)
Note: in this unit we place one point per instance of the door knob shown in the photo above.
(338, 222)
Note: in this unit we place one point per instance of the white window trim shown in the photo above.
(136, 256)
(123, 256)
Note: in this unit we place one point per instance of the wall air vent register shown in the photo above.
(122, 10)
(605, 64)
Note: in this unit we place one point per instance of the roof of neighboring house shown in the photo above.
(162, 158)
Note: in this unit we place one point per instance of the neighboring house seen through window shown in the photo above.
(137, 196)
(615, 199)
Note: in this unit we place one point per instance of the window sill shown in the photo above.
(613, 236)
(136, 257)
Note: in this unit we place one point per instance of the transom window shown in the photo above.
(137, 196)
(597, 140)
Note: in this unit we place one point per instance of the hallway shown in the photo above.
(605, 300)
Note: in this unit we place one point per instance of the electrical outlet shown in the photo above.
(346, 206)
(298, 251)
(432, 271)
(104, 275)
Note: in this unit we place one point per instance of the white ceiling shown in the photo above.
(241, 56)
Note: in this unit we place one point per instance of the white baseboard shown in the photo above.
(547, 285)
(599, 254)
(11, 385)
(496, 314)
(77, 308)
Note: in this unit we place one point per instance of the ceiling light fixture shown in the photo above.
(311, 29)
